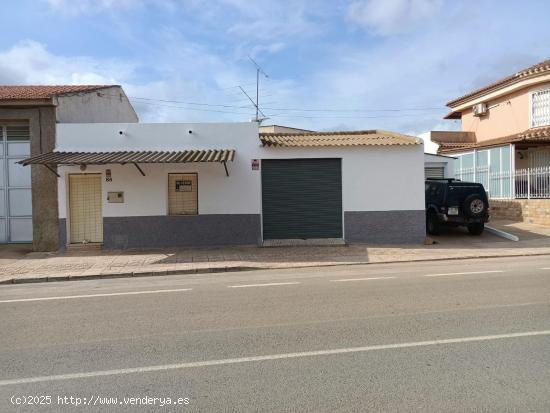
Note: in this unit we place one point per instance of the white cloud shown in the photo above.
(388, 17)
(274, 23)
(76, 7)
(36, 65)
(188, 73)
(353, 76)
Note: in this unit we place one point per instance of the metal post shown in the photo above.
(513, 171)
(475, 165)
(501, 177)
(528, 183)
(139, 169)
(257, 91)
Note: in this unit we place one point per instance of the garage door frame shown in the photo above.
(340, 220)
(12, 151)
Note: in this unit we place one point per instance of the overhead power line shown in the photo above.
(290, 109)
(282, 115)
(317, 116)
(353, 110)
(317, 113)
(199, 109)
(190, 103)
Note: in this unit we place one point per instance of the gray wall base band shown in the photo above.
(370, 227)
(179, 231)
(62, 234)
(385, 227)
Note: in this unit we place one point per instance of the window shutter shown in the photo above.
(18, 133)
(437, 172)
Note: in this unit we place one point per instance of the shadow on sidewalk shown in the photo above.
(450, 242)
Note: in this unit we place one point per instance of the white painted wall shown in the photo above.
(374, 178)
(447, 162)
(147, 195)
(429, 146)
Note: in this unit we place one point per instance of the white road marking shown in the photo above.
(462, 273)
(71, 297)
(262, 285)
(208, 363)
(545, 268)
(362, 279)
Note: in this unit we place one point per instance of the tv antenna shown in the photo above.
(257, 103)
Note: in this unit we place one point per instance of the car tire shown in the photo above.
(476, 229)
(474, 206)
(432, 223)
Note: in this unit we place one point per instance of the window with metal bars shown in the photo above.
(540, 111)
(183, 194)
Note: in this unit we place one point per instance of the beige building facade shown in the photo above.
(504, 141)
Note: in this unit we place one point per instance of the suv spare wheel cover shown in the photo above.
(474, 205)
(477, 206)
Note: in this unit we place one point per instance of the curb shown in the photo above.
(29, 280)
(238, 269)
(501, 233)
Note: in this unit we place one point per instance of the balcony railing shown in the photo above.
(531, 183)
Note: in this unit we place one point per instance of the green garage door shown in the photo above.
(302, 198)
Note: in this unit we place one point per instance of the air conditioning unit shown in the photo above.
(480, 109)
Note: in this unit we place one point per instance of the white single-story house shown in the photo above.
(439, 166)
(129, 185)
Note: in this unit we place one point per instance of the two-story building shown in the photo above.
(504, 142)
(28, 119)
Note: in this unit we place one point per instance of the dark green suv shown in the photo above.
(455, 203)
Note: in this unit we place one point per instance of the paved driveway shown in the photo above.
(10, 253)
(536, 235)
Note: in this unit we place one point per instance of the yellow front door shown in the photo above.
(85, 217)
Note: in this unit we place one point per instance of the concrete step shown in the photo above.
(310, 242)
(89, 246)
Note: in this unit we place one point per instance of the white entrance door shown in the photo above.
(15, 184)
(85, 217)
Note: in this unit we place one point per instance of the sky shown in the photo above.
(331, 64)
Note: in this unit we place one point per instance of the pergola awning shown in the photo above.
(52, 159)
(124, 157)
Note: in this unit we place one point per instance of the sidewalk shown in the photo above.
(454, 244)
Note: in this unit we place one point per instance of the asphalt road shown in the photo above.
(470, 335)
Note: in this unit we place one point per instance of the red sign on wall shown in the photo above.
(255, 164)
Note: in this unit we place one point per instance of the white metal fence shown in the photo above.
(521, 183)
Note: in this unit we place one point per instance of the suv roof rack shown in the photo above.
(444, 179)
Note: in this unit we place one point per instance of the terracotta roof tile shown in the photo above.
(351, 138)
(536, 69)
(449, 147)
(31, 92)
(531, 135)
(536, 133)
